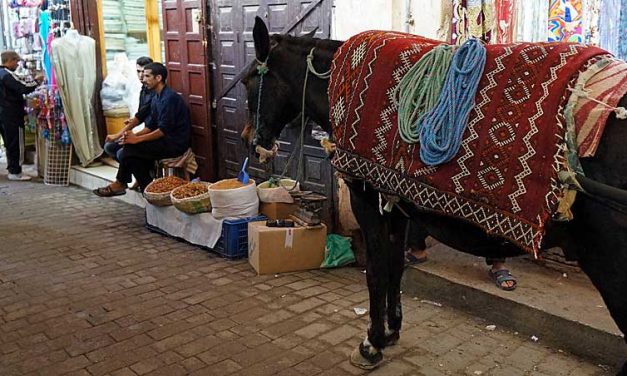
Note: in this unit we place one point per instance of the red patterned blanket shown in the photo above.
(504, 178)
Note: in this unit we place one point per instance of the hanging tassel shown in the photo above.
(621, 112)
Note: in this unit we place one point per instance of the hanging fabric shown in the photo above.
(532, 17)
(590, 21)
(622, 41)
(473, 18)
(609, 22)
(74, 59)
(505, 21)
(565, 21)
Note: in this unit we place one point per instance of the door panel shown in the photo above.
(233, 47)
(188, 72)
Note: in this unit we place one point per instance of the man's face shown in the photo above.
(140, 72)
(12, 64)
(150, 81)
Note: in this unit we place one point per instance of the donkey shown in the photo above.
(597, 237)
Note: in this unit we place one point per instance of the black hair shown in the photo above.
(143, 61)
(157, 69)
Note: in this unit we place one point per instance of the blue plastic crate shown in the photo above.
(234, 240)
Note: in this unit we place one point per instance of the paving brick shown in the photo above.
(157, 306)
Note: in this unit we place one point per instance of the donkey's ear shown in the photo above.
(311, 33)
(262, 39)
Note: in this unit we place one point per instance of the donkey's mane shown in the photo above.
(325, 47)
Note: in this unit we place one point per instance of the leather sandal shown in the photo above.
(108, 192)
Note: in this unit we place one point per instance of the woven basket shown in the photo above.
(157, 199)
(192, 205)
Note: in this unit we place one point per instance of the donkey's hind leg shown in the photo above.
(396, 262)
(374, 226)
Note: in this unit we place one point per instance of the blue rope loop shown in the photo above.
(441, 130)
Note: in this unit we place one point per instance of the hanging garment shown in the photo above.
(74, 59)
(473, 18)
(532, 20)
(505, 21)
(565, 21)
(590, 21)
(44, 30)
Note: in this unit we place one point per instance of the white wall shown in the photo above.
(427, 16)
(353, 16)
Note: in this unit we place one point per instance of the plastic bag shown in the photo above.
(337, 252)
(120, 89)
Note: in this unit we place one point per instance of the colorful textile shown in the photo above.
(44, 30)
(504, 179)
(505, 21)
(187, 161)
(565, 21)
(473, 18)
(606, 82)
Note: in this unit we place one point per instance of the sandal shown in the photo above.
(108, 192)
(410, 259)
(500, 277)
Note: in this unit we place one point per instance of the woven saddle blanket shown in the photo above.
(504, 177)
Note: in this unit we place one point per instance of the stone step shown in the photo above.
(559, 309)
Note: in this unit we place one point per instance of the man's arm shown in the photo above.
(145, 107)
(131, 138)
(14, 83)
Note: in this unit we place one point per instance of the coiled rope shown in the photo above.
(441, 129)
(420, 88)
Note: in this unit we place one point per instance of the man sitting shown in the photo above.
(167, 135)
(112, 146)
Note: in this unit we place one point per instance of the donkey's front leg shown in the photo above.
(375, 229)
(396, 263)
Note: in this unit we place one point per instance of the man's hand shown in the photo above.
(112, 137)
(39, 77)
(130, 138)
(131, 121)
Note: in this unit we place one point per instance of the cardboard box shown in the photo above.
(277, 210)
(280, 250)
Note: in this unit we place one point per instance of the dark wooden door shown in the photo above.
(185, 37)
(232, 40)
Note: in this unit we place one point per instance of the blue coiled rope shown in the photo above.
(442, 128)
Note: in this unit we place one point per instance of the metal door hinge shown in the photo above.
(214, 104)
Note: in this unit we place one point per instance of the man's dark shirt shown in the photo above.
(145, 99)
(170, 114)
(12, 91)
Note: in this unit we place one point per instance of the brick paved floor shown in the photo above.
(85, 289)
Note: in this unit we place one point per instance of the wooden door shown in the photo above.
(232, 23)
(184, 34)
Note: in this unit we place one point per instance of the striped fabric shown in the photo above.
(186, 161)
(608, 85)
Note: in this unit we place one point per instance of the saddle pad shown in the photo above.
(504, 178)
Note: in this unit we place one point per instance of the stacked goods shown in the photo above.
(192, 198)
(234, 199)
(158, 192)
(277, 190)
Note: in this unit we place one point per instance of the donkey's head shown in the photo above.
(274, 85)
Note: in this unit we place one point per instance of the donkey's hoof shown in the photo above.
(366, 357)
(391, 338)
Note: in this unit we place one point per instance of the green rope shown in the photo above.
(420, 88)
